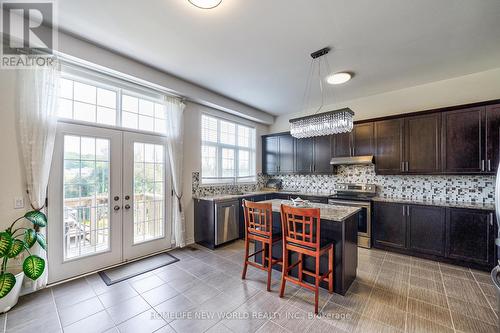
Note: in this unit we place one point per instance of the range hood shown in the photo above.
(360, 160)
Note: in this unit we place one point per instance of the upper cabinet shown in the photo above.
(422, 144)
(278, 154)
(362, 139)
(463, 141)
(389, 146)
(270, 154)
(458, 140)
(322, 155)
(492, 145)
(359, 142)
(304, 149)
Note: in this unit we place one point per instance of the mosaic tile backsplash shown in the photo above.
(199, 190)
(479, 189)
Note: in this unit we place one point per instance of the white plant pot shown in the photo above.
(11, 298)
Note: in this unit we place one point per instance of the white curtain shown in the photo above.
(175, 131)
(37, 102)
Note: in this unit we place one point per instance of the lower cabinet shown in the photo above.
(426, 229)
(470, 235)
(456, 235)
(389, 225)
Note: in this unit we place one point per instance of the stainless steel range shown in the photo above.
(357, 195)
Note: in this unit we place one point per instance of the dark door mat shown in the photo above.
(134, 268)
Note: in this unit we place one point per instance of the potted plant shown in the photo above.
(13, 242)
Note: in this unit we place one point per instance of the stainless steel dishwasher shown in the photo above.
(227, 225)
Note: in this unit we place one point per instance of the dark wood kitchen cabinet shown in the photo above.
(426, 229)
(362, 139)
(278, 153)
(304, 155)
(270, 155)
(492, 115)
(463, 143)
(286, 154)
(422, 144)
(322, 155)
(389, 146)
(359, 142)
(389, 225)
(459, 236)
(470, 236)
(341, 145)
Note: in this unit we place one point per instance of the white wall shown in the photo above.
(471, 88)
(11, 174)
(192, 153)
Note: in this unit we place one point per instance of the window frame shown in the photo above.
(98, 80)
(252, 150)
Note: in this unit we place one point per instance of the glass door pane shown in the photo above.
(86, 196)
(149, 192)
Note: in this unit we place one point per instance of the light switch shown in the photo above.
(18, 202)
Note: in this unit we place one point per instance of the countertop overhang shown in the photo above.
(327, 212)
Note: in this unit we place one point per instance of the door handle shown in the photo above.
(116, 198)
(116, 208)
(127, 206)
(127, 197)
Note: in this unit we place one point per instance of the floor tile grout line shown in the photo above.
(408, 299)
(447, 301)
(483, 293)
(55, 306)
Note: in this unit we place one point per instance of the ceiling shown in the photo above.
(257, 52)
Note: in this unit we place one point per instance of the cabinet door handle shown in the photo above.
(407, 210)
(407, 166)
(404, 213)
(491, 219)
(482, 165)
(489, 165)
(403, 166)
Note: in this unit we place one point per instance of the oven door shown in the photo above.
(364, 219)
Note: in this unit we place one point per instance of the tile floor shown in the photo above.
(203, 292)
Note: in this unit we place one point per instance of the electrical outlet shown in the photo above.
(18, 202)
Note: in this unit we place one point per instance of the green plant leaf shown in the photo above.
(33, 266)
(16, 248)
(5, 243)
(37, 218)
(41, 240)
(30, 237)
(7, 282)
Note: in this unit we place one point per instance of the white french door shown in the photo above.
(109, 199)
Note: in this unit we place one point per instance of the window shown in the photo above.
(227, 152)
(107, 104)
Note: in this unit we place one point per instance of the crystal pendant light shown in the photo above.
(324, 123)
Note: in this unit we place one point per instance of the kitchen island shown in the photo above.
(338, 224)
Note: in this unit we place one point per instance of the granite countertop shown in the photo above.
(220, 197)
(455, 204)
(327, 212)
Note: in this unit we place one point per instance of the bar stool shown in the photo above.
(301, 234)
(259, 227)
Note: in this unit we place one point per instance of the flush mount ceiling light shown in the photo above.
(324, 123)
(339, 78)
(205, 4)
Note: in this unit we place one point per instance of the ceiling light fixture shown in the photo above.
(205, 4)
(324, 123)
(339, 78)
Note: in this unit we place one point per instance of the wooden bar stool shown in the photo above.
(301, 234)
(259, 227)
